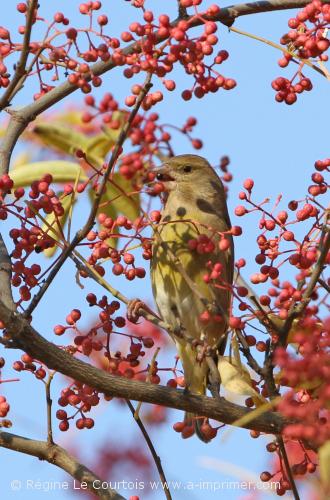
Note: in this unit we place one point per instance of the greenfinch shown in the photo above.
(192, 243)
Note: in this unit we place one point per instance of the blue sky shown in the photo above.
(272, 143)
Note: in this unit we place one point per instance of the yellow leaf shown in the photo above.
(324, 457)
(72, 117)
(100, 145)
(115, 202)
(21, 159)
(235, 379)
(62, 171)
(125, 203)
(118, 200)
(279, 323)
(61, 137)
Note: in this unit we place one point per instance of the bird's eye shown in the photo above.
(187, 169)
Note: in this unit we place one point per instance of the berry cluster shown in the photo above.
(146, 134)
(27, 363)
(188, 430)
(302, 255)
(29, 238)
(99, 340)
(80, 398)
(310, 370)
(145, 53)
(287, 91)
(307, 39)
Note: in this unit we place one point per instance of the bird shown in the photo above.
(194, 221)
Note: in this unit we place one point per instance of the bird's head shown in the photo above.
(183, 170)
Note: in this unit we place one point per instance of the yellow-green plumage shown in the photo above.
(195, 205)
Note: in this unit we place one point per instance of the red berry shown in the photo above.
(21, 7)
(102, 20)
(248, 184)
(265, 476)
(64, 425)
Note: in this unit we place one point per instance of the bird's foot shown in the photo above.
(214, 389)
(213, 377)
(186, 391)
(133, 312)
(178, 330)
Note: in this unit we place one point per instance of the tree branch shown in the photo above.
(5, 277)
(21, 118)
(288, 469)
(21, 65)
(55, 454)
(30, 341)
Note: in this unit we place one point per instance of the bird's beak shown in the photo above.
(163, 174)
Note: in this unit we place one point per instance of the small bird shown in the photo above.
(192, 225)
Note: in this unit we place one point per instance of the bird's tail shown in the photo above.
(196, 423)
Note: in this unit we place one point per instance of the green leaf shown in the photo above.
(324, 457)
(62, 171)
(61, 137)
(67, 140)
(99, 146)
(51, 220)
(125, 205)
(111, 212)
(117, 203)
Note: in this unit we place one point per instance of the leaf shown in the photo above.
(72, 117)
(54, 222)
(62, 171)
(235, 379)
(100, 145)
(251, 415)
(279, 323)
(324, 458)
(117, 200)
(61, 137)
(128, 205)
(67, 140)
(21, 159)
(114, 202)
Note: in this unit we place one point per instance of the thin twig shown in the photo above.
(285, 50)
(21, 65)
(297, 310)
(288, 470)
(324, 284)
(245, 348)
(151, 367)
(152, 450)
(49, 408)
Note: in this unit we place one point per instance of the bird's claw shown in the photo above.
(133, 310)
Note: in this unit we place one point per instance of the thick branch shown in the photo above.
(24, 116)
(5, 277)
(28, 339)
(55, 454)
